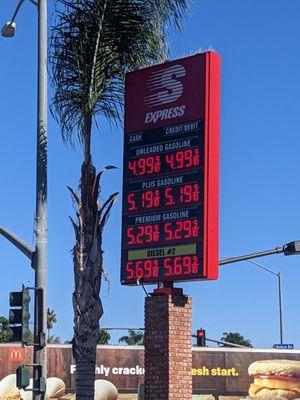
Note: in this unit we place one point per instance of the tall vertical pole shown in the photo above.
(280, 307)
(40, 315)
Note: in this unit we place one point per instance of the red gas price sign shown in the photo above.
(171, 172)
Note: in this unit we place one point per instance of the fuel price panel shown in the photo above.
(163, 204)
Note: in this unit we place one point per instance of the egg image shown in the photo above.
(8, 386)
(55, 388)
(105, 390)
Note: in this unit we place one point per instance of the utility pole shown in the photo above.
(41, 240)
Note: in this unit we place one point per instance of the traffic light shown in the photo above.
(19, 316)
(201, 337)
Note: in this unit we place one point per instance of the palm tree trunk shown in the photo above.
(87, 271)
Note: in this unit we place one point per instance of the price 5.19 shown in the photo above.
(166, 197)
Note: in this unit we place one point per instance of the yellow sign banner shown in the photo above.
(181, 250)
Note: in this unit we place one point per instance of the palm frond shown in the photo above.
(105, 210)
(171, 11)
(93, 44)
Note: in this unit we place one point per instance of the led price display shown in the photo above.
(179, 160)
(165, 232)
(167, 171)
(163, 198)
(170, 267)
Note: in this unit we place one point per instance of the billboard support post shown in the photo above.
(168, 350)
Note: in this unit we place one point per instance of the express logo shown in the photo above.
(168, 88)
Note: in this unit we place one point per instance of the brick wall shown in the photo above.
(168, 350)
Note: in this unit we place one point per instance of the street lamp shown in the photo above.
(9, 29)
(288, 249)
(278, 274)
(38, 255)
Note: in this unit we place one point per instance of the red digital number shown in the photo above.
(181, 229)
(169, 197)
(139, 235)
(187, 265)
(142, 269)
(188, 158)
(195, 265)
(145, 165)
(168, 231)
(139, 270)
(129, 270)
(177, 266)
(131, 202)
(189, 193)
(168, 266)
(143, 234)
(183, 159)
(148, 269)
(151, 199)
(130, 235)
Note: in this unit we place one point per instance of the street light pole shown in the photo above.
(246, 257)
(288, 249)
(41, 234)
(280, 307)
(279, 277)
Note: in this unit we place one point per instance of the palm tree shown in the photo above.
(93, 44)
(104, 337)
(133, 338)
(234, 337)
(52, 339)
(51, 319)
(4, 328)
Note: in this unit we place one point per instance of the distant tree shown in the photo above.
(51, 320)
(31, 337)
(133, 338)
(52, 339)
(3, 330)
(234, 337)
(104, 337)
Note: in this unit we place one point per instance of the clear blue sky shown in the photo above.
(260, 193)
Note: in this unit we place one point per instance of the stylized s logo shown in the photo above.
(165, 79)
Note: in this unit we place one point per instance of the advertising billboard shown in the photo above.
(233, 373)
(171, 171)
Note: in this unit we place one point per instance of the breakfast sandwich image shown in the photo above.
(275, 379)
